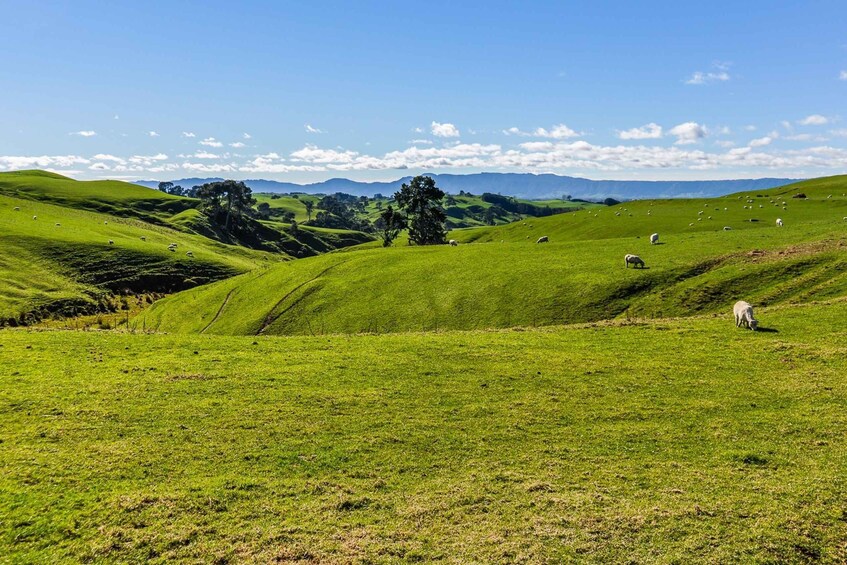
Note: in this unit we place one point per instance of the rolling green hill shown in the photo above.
(110, 197)
(578, 277)
(56, 260)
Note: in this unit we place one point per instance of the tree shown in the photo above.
(226, 200)
(263, 210)
(171, 188)
(390, 224)
(420, 200)
(310, 204)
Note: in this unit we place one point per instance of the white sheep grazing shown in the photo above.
(654, 239)
(543, 239)
(744, 315)
(143, 238)
(58, 225)
(104, 223)
(17, 208)
(35, 217)
(189, 253)
(634, 260)
(111, 242)
(779, 222)
(453, 242)
(726, 228)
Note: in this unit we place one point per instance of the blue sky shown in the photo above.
(305, 91)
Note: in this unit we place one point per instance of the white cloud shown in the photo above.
(814, 120)
(246, 135)
(310, 129)
(839, 132)
(750, 128)
(205, 155)
(153, 134)
(761, 141)
(107, 157)
(14, 162)
(726, 144)
(650, 131)
(237, 145)
(84, 133)
(559, 131)
(842, 75)
(188, 134)
(211, 142)
(688, 132)
(420, 142)
(719, 73)
(117, 117)
(444, 130)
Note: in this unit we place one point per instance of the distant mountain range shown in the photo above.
(520, 185)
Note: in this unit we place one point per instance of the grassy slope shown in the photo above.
(42, 264)
(578, 277)
(674, 441)
(289, 203)
(110, 197)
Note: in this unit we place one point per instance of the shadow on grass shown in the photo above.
(767, 330)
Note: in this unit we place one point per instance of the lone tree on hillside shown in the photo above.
(420, 200)
(310, 204)
(226, 200)
(390, 224)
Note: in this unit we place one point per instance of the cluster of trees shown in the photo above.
(229, 204)
(342, 211)
(513, 205)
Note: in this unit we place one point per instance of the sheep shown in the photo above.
(189, 253)
(543, 239)
(654, 239)
(58, 225)
(700, 213)
(779, 222)
(35, 217)
(634, 260)
(17, 208)
(726, 228)
(105, 223)
(744, 315)
(111, 242)
(453, 242)
(143, 238)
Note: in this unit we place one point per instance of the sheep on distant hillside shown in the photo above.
(58, 224)
(189, 253)
(744, 315)
(634, 260)
(654, 238)
(111, 242)
(543, 239)
(779, 222)
(726, 228)
(143, 238)
(453, 242)
(35, 217)
(17, 208)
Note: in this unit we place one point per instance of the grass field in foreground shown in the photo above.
(671, 441)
